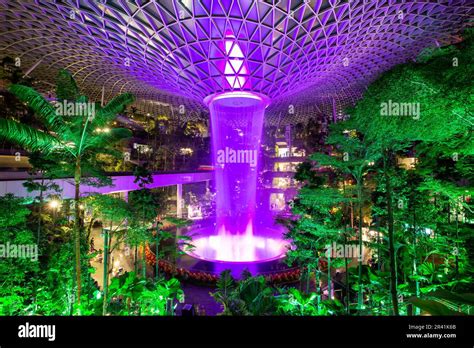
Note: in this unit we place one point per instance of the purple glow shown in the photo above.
(12, 182)
(236, 150)
(235, 71)
(305, 53)
(245, 247)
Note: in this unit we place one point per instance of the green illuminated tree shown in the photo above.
(249, 296)
(15, 272)
(144, 208)
(354, 157)
(439, 87)
(74, 136)
(317, 223)
(113, 212)
(46, 168)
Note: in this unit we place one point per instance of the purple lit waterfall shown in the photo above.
(235, 147)
(237, 123)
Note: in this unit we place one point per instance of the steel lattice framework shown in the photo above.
(311, 54)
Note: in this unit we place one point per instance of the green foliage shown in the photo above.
(109, 209)
(56, 288)
(432, 307)
(318, 222)
(422, 214)
(375, 284)
(130, 295)
(13, 212)
(145, 204)
(355, 155)
(225, 287)
(252, 296)
(66, 88)
(67, 138)
(306, 174)
(15, 272)
(160, 300)
(249, 296)
(73, 140)
(293, 302)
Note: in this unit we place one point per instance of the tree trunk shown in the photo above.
(40, 210)
(308, 281)
(106, 271)
(360, 294)
(393, 265)
(302, 278)
(157, 267)
(89, 229)
(318, 286)
(348, 288)
(135, 259)
(457, 243)
(77, 227)
(144, 261)
(329, 277)
(415, 272)
(379, 257)
(346, 265)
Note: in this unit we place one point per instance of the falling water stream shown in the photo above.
(237, 123)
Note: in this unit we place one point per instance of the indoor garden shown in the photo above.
(236, 158)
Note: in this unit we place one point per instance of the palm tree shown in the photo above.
(73, 138)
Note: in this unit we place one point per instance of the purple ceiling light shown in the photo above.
(235, 69)
(304, 53)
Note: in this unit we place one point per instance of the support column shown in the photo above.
(32, 68)
(125, 198)
(179, 198)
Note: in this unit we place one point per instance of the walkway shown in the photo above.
(200, 295)
(12, 182)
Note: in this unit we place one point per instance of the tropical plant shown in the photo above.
(355, 157)
(73, 138)
(160, 299)
(226, 284)
(144, 208)
(131, 295)
(444, 118)
(46, 168)
(293, 302)
(317, 224)
(16, 271)
(249, 296)
(113, 212)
